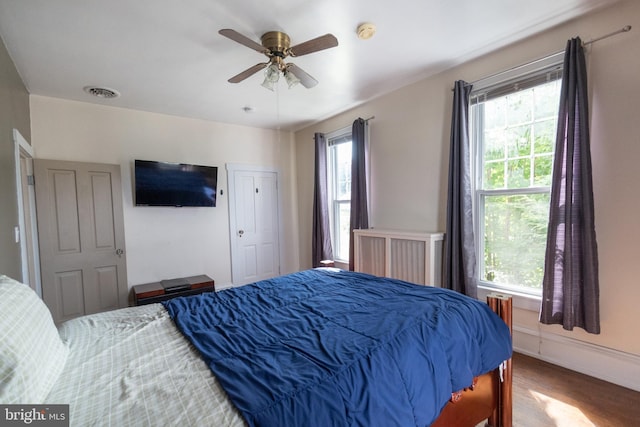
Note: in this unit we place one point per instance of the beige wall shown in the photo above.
(409, 156)
(163, 243)
(14, 113)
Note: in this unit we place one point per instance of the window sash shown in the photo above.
(341, 253)
(339, 140)
(506, 88)
(546, 67)
(334, 140)
(481, 197)
(491, 88)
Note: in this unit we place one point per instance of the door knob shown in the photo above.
(119, 252)
(240, 233)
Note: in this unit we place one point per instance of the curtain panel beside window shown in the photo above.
(460, 272)
(359, 212)
(321, 239)
(570, 289)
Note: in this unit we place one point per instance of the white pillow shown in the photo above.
(32, 355)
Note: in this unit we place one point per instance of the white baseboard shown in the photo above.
(600, 362)
(222, 287)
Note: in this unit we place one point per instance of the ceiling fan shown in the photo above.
(276, 46)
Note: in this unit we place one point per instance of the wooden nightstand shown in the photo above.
(156, 292)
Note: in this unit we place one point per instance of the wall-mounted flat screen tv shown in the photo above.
(174, 184)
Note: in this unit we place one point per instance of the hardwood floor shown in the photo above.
(548, 395)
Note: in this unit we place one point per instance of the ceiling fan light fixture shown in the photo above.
(268, 84)
(271, 76)
(272, 73)
(291, 78)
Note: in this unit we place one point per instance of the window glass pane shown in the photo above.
(494, 175)
(545, 136)
(542, 168)
(343, 218)
(547, 99)
(495, 113)
(494, 143)
(519, 141)
(519, 107)
(519, 173)
(343, 171)
(515, 233)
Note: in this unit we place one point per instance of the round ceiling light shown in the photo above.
(366, 31)
(101, 92)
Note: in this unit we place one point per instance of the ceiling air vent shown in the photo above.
(101, 92)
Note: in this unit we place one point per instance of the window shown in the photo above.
(513, 131)
(339, 164)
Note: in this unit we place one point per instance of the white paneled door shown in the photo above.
(254, 222)
(81, 233)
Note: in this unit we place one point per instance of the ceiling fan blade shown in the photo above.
(247, 73)
(305, 79)
(244, 40)
(314, 45)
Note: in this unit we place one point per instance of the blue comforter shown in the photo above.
(328, 347)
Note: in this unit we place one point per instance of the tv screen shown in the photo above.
(174, 184)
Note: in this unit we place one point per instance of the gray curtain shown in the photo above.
(359, 211)
(570, 289)
(321, 239)
(460, 254)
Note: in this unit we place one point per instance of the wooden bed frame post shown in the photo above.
(502, 415)
(490, 397)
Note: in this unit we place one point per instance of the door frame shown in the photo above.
(231, 168)
(27, 224)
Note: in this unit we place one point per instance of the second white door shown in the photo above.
(254, 222)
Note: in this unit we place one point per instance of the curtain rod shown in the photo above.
(624, 29)
(366, 120)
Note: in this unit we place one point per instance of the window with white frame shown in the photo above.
(513, 131)
(339, 176)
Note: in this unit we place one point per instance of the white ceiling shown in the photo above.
(166, 56)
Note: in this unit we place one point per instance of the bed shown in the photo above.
(302, 349)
